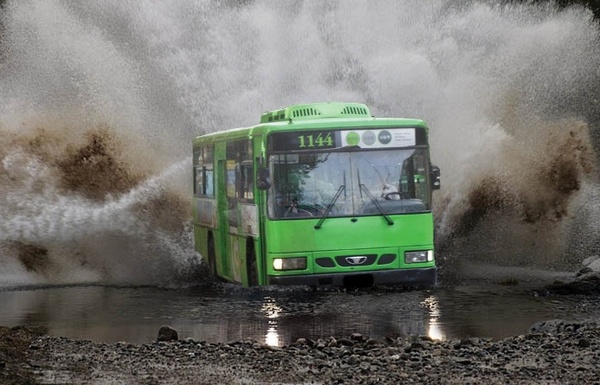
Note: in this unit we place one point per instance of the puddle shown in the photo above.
(280, 316)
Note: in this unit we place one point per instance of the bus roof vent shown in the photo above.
(317, 111)
(305, 112)
(355, 110)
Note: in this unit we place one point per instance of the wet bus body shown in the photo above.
(317, 194)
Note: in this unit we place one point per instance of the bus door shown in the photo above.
(225, 212)
(237, 211)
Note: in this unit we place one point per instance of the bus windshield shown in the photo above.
(352, 183)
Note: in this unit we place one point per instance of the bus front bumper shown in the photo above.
(406, 277)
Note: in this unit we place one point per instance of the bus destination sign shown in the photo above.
(328, 139)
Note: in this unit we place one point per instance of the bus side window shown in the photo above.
(203, 172)
(209, 189)
(231, 179)
(198, 182)
(407, 180)
(421, 187)
(245, 177)
(239, 176)
(247, 186)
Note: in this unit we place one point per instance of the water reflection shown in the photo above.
(276, 318)
(272, 311)
(435, 328)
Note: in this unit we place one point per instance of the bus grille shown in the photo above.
(356, 260)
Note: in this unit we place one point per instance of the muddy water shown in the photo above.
(279, 316)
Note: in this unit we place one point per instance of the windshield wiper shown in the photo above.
(330, 205)
(381, 210)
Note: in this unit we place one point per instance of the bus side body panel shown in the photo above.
(232, 223)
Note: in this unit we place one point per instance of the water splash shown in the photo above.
(99, 102)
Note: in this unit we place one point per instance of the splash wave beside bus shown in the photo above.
(317, 194)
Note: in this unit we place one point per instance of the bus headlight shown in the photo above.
(289, 263)
(418, 256)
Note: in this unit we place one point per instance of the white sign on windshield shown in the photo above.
(389, 137)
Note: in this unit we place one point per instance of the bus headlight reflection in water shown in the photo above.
(272, 336)
(272, 311)
(434, 331)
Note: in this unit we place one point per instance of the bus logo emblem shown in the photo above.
(356, 260)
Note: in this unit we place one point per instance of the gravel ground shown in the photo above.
(554, 352)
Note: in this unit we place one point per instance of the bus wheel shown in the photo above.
(212, 258)
(251, 264)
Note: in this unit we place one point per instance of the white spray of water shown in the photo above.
(89, 241)
(493, 81)
(51, 217)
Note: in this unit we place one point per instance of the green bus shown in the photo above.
(317, 194)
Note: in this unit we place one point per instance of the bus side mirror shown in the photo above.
(263, 179)
(435, 177)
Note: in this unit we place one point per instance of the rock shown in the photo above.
(589, 260)
(560, 326)
(301, 342)
(332, 342)
(565, 352)
(585, 283)
(590, 265)
(594, 265)
(583, 343)
(167, 334)
(548, 326)
(583, 271)
(353, 360)
(417, 345)
(345, 342)
(464, 361)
